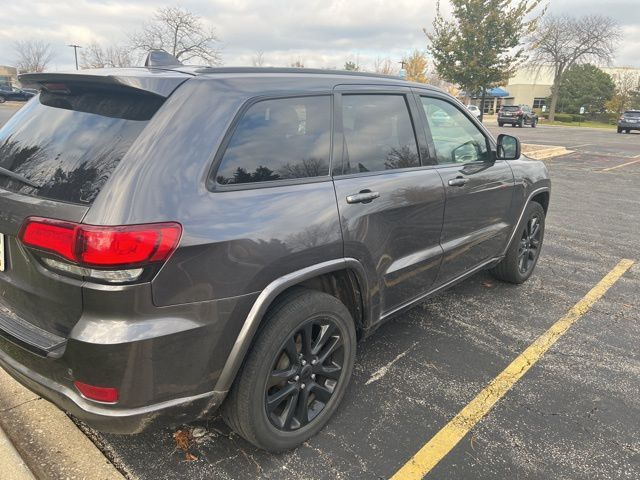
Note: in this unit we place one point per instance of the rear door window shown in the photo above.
(279, 139)
(68, 144)
(378, 134)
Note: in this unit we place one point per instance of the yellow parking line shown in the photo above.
(449, 436)
(620, 166)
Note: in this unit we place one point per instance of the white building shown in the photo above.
(532, 86)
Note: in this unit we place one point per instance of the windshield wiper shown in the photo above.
(16, 176)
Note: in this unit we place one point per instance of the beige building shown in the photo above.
(532, 86)
(8, 75)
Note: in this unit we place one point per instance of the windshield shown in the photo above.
(69, 144)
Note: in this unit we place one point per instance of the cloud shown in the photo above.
(320, 33)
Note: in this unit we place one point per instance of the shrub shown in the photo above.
(564, 117)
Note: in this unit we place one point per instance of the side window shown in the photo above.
(378, 134)
(455, 137)
(279, 139)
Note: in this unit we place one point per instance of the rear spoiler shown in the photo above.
(150, 80)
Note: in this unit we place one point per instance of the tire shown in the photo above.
(296, 314)
(510, 269)
(500, 124)
(520, 123)
(534, 122)
(2, 99)
(628, 130)
(619, 130)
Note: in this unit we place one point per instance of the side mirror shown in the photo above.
(508, 148)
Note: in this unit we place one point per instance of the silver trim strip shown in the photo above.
(259, 308)
(437, 289)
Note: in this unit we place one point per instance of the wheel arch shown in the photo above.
(342, 278)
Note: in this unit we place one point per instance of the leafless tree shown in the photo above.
(627, 83)
(384, 66)
(113, 56)
(32, 55)
(565, 41)
(258, 59)
(181, 33)
(299, 63)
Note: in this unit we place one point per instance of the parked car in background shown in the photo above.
(14, 94)
(176, 239)
(629, 120)
(475, 110)
(517, 115)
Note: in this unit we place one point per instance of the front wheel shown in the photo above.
(296, 372)
(524, 250)
(500, 124)
(619, 130)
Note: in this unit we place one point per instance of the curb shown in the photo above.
(542, 152)
(11, 464)
(50, 444)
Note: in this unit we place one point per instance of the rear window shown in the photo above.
(511, 108)
(632, 114)
(279, 139)
(69, 144)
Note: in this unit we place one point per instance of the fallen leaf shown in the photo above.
(182, 439)
(190, 457)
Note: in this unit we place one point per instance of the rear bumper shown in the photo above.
(509, 119)
(108, 418)
(629, 126)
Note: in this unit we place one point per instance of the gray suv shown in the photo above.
(177, 239)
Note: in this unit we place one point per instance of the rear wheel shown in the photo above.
(534, 122)
(520, 123)
(500, 124)
(295, 374)
(524, 250)
(619, 130)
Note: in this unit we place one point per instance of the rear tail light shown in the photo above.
(100, 247)
(99, 394)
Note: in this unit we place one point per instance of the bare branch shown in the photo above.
(566, 41)
(113, 56)
(32, 55)
(182, 34)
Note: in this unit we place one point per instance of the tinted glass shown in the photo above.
(455, 137)
(69, 145)
(279, 139)
(632, 114)
(378, 134)
(511, 108)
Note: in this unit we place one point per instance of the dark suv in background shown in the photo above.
(175, 239)
(517, 115)
(15, 94)
(629, 120)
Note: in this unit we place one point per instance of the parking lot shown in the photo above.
(575, 414)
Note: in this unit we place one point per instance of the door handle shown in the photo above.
(458, 182)
(364, 196)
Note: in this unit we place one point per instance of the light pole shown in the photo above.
(75, 52)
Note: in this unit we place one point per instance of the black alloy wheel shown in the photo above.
(529, 247)
(296, 372)
(304, 374)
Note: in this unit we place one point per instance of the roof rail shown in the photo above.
(161, 58)
(205, 70)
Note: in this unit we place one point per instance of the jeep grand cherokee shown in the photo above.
(177, 239)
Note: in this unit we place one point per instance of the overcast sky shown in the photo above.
(320, 33)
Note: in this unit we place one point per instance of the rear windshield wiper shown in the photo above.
(16, 176)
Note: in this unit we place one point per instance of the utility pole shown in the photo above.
(75, 52)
